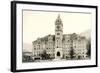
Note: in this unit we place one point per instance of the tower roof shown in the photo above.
(58, 20)
(58, 16)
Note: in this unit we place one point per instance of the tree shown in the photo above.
(71, 53)
(89, 48)
(44, 55)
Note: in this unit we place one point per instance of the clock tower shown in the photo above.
(58, 37)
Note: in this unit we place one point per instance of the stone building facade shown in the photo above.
(60, 46)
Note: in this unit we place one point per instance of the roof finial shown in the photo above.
(58, 15)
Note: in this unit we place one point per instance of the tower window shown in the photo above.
(58, 33)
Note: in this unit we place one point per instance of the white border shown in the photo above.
(21, 65)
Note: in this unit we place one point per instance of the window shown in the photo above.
(34, 48)
(58, 33)
(74, 46)
(39, 46)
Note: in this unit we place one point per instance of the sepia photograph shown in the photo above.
(61, 36)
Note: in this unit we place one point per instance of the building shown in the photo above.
(27, 56)
(60, 46)
(80, 45)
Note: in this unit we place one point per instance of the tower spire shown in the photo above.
(58, 15)
(58, 20)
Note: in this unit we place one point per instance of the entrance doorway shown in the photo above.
(58, 53)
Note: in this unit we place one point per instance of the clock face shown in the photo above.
(58, 27)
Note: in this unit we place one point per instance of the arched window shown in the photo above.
(58, 53)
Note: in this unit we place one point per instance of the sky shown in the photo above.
(37, 24)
